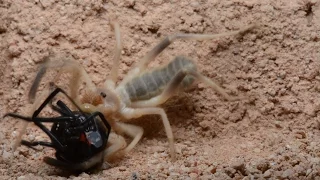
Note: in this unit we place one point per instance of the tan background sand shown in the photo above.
(274, 132)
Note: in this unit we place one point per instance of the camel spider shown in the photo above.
(141, 90)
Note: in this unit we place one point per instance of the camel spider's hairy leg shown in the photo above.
(141, 90)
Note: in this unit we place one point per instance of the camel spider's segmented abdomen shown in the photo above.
(152, 83)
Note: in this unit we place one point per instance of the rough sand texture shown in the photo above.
(273, 133)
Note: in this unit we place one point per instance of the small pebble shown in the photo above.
(267, 174)
(185, 169)
(308, 172)
(31, 137)
(238, 165)
(135, 176)
(205, 125)
(302, 134)
(213, 170)
(154, 161)
(256, 150)
(122, 168)
(263, 166)
(6, 154)
(85, 175)
(278, 124)
(158, 149)
(287, 173)
(174, 174)
(193, 175)
(21, 178)
(14, 134)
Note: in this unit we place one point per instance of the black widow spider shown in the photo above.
(79, 138)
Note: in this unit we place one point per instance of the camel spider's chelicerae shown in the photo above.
(141, 90)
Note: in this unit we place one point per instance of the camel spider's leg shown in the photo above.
(175, 85)
(133, 131)
(67, 65)
(77, 74)
(214, 86)
(130, 113)
(117, 143)
(151, 55)
(116, 60)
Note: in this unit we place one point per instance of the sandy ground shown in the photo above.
(273, 133)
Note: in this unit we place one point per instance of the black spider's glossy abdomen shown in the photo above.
(81, 141)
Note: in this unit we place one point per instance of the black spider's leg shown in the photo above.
(57, 163)
(41, 126)
(53, 119)
(83, 125)
(64, 108)
(105, 122)
(51, 136)
(60, 111)
(37, 121)
(45, 102)
(37, 112)
(54, 107)
(48, 100)
(69, 98)
(61, 164)
(18, 116)
(35, 143)
(92, 116)
(40, 119)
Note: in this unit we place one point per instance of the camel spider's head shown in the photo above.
(110, 100)
(104, 98)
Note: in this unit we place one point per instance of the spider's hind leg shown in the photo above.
(82, 166)
(151, 55)
(175, 85)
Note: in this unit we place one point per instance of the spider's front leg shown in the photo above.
(131, 130)
(116, 60)
(117, 143)
(130, 113)
(66, 65)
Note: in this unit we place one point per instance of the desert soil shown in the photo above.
(273, 132)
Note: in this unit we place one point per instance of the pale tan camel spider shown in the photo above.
(141, 90)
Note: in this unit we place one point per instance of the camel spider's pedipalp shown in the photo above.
(141, 90)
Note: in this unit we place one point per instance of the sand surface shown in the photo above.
(274, 132)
